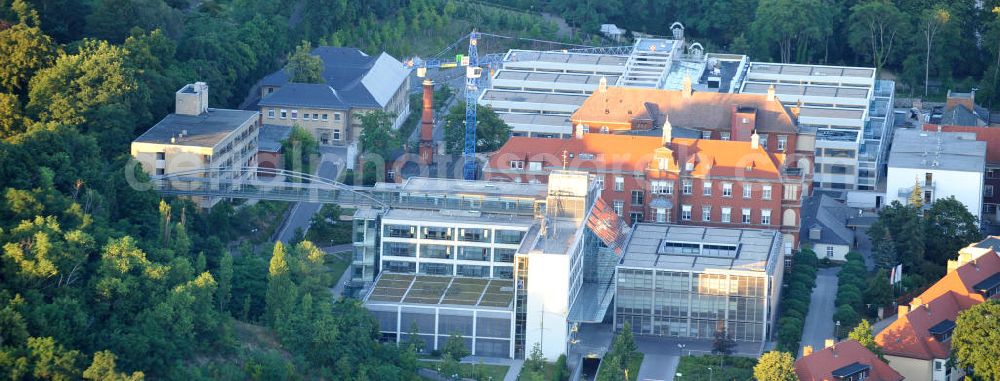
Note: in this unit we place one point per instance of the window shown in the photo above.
(305, 116)
(689, 166)
(284, 113)
(686, 186)
(747, 189)
(988, 191)
(662, 187)
(727, 189)
(763, 141)
(270, 113)
(706, 213)
(706, 134)
(516, 164)
(938, 364)
(336, 134)
(324, 117)
(534, 166)
(661, 215)
(706, 188)
(829, 251)
(791, 192)
(782, 140)
(685, 212)
(635, 217)
(600, 182)
(637, 197)
(765, 192)
(336, 116)
(161, 156)
(746, 215)
(725, 136)
(765, 216)
(619, 205)
(727, 214)
(619, 184)
(295, 114)
(159, 172)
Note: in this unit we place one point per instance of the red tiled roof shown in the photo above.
(700, 110)
(631, 153)
(990, 135)
(909, 335)
(820, 365)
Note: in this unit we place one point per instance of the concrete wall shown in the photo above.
(839, 251)
(321, 129)
(967, 187)
(911, 369)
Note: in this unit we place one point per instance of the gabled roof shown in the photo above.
(630, 153)
(910, 335)
(990, 135)
(960, 115)
(312, 95)
(270, 137)
(830, 215)
(843, 358)
(359, 79)
(701, 110)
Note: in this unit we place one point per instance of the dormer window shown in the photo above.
(989, 287)
(942, 331)
(689, 166)
(854, 372)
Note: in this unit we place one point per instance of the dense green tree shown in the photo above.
(103, 368)
(303, 67)
(775, 366)
(976, 340)
(113, 20)
(280, 289)
(948, 227)
(875, 27)
(455, 347)
(225, 281)
(25, 48)
(491, 131)
(793, 26)
(846, 316)
(377, 136)
(301, 150)
(930, 24)
(723, 344)
(862, 333)
(879, 291)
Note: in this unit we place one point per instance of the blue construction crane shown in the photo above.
(473, 71)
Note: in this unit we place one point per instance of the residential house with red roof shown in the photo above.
(918, 343)
(668, 179)
(847, 360)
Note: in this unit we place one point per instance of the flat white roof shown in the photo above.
(695, 248)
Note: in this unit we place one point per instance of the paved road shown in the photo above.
(338, 288)
(330, 165)
(819, 322)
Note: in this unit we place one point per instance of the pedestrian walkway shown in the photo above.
(819, 323)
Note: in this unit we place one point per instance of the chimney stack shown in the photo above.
(668, 130)
(807, 350)
(427, 124)
(828, 343)
(770, 93)
(903, 310)
(580, 131)
(686, 86)
(916, 303)
(755, 140)
(192, 99)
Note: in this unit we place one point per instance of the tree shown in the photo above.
(723, 343)
(301, 150)
(948, 227)
(413, 339)
(879, 291)
(916, 198)
(930, 24)
(25, 48)
(303, 67)
(976, 340)
(846, 316)
(455, 347)
(792, 25)
(611, 369)
(225, 281)
(103, 369)
(491, 131)
(862, 333)
(775, 366)
(536, 360)
(377, 135)
(280, 289)
(873, 29)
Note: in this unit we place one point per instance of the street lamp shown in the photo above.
(679, 375)
(836, 333)
(711, 373)
(680, 348)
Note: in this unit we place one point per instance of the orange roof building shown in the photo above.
(846, 360)
(669, 180)
(918, 342)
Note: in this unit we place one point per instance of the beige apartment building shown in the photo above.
(354, 84)
(197, 137)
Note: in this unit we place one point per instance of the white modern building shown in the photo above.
(691, 282)
(851, 110)
(942, 164)
(504, 265)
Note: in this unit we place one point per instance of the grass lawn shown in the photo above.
(733, 368)
(633, 366)
(497, 372)
(548, 372)
(337, 265)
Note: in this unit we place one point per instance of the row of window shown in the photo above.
(465, 253)
(283, 114)
(440, 233)
(687, 188)
(532, 165)
(506, 272)
(746, 215)
(782, 139)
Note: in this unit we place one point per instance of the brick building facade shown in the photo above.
(670, 180)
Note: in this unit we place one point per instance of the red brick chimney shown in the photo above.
(427, 124)
(743, 123)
